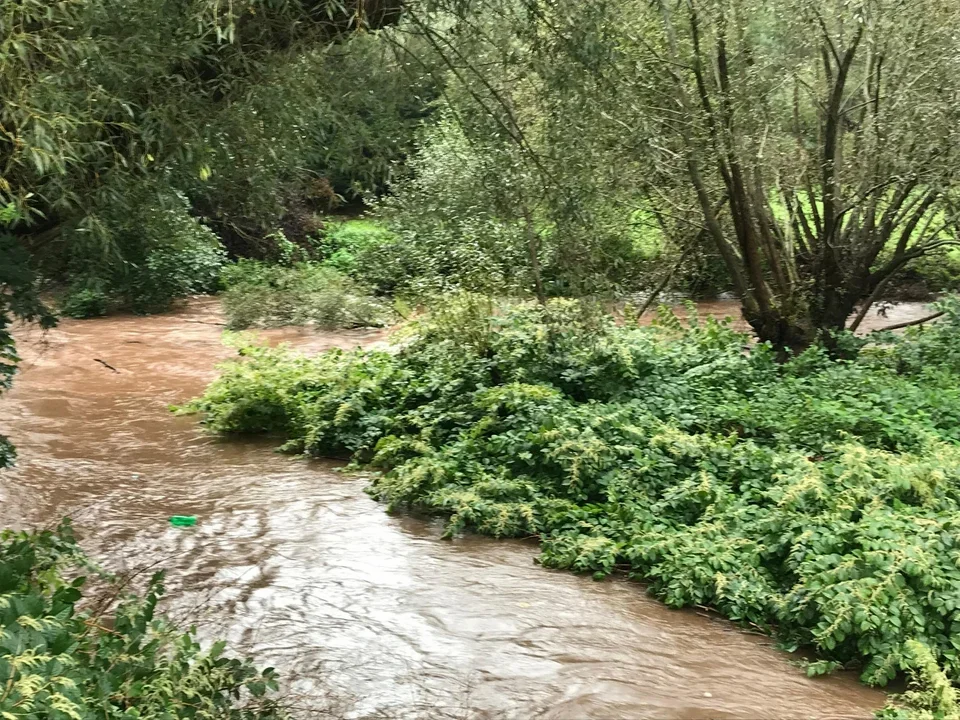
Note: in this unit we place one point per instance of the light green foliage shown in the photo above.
(474, 213)
(445, 216)
(260, 294)
(155, 254)
(65, 656)
(931, 696)
(352, 247)
(819, 499)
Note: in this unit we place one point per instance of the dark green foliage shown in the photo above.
(115, 113)
(373, 100)
(86, 298)
(19, 300)
(154, 255)
(97, 94)
(305, 293)
(65, 656)
(926, 277)
(819, 499)
(327, 126)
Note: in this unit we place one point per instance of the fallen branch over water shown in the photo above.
(910, 323)
(106, 365)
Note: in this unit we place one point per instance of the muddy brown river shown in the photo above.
(365, 614)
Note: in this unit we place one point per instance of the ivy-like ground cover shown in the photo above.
(818, 499)
(66, 657)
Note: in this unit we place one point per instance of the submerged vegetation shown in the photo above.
(817, 499)
(110, 655)
(265, 295)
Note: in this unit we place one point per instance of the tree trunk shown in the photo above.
(789, 334)
(533, 254)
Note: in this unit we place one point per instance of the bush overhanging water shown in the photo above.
(63, 656)
(260, 294)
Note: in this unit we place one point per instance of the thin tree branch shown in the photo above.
(911, 323)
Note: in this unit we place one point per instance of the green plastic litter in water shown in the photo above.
(183, 520)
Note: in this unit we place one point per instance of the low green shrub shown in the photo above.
(66, 656)
(267, 295)
(818, 499)
(87, 297)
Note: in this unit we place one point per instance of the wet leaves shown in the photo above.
(59, 661)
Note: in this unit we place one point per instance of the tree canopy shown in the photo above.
(102, 93)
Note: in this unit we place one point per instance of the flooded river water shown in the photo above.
(364, 613)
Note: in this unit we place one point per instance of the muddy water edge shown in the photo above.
(364, 613)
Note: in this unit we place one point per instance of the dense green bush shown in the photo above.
(322, 127)
(64, 656)
(305, 293)
(472, 214)
(140, 261)
(817, 498)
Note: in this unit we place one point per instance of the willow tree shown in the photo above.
(95, 89)
(97, 96)
(813, 142)
(829, 128)
(505, 194)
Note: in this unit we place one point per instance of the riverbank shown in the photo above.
(359, 610)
